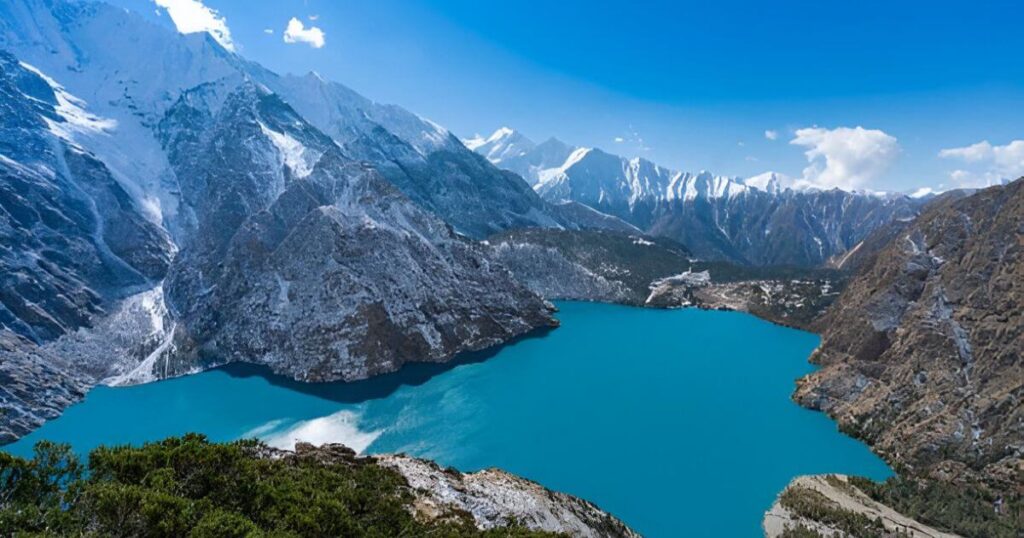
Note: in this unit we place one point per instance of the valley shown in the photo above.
(204, 257)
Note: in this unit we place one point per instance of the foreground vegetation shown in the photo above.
(190, 487)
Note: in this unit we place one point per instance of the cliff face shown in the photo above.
(922, 353)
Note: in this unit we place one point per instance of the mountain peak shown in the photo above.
(770, 182)
(503, 143)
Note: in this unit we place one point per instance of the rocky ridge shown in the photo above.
(922, 354)
(495, 498)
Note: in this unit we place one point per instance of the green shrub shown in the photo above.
(189, 487)
(962, 508)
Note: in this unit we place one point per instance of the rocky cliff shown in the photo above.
(923, 354)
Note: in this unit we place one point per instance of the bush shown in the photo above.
(190, 487)
(962, 508)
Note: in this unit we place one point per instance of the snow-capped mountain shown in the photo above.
(425, 161)
(503, 144)
(73, 245)
(762, 220)
(167, 208)
(512, 151)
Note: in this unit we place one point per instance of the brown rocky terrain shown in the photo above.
(922, 353)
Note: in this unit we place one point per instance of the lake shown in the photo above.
(677, 421)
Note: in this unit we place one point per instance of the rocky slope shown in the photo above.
(423, 160)
(635, 269)
(922, 354)
(495, 499)
(753, 222)
(73, 246)
(588, 265)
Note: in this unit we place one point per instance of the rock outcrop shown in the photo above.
(495, 498)
(492, 498)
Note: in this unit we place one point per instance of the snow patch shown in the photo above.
(294, 155)
(72, 110)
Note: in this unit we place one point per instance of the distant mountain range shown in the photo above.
(757, 221)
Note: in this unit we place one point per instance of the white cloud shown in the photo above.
(268, 31)
(972, 153)
(992, 164)
(771, 135)
(296, 32)
(845, 157)
(619, 140)
(314, 17)
(191, 16)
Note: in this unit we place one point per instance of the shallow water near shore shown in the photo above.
(677, 421)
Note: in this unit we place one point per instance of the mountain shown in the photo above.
(755, 221)
(166, 210)
(511, 150)
(502, 145)
(313, 263)
(429, 164)
(922, 353)
(588, 265)
(75, 245)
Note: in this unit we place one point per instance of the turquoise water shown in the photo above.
(677, 421)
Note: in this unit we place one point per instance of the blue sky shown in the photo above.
(690, 85)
